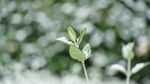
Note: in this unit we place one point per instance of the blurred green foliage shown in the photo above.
(28, 29)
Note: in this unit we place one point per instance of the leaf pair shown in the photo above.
(73, 36)
(134, 70)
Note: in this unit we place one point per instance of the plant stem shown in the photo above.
(128, 72)
(85, 72)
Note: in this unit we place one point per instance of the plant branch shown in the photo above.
(85, 72)
(128, 72)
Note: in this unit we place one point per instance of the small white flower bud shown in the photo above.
(127, 51)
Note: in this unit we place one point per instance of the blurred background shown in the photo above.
(29, 53)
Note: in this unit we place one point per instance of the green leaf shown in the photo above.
(118, 67)
(81, 35)
(139, 67)
(64, 40)
(72, 34)
(76, 53)
(87, 50)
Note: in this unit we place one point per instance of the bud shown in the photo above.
(127, 51)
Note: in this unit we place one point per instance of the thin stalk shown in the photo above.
(128, 72)
(85, 72)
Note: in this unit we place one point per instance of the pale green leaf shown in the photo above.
(139, 67)
(81, 35)
(76, 53)
(87, 50)
(118, 67)
(64, 40)
(72, 34)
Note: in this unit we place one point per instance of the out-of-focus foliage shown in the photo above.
(29, 53)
